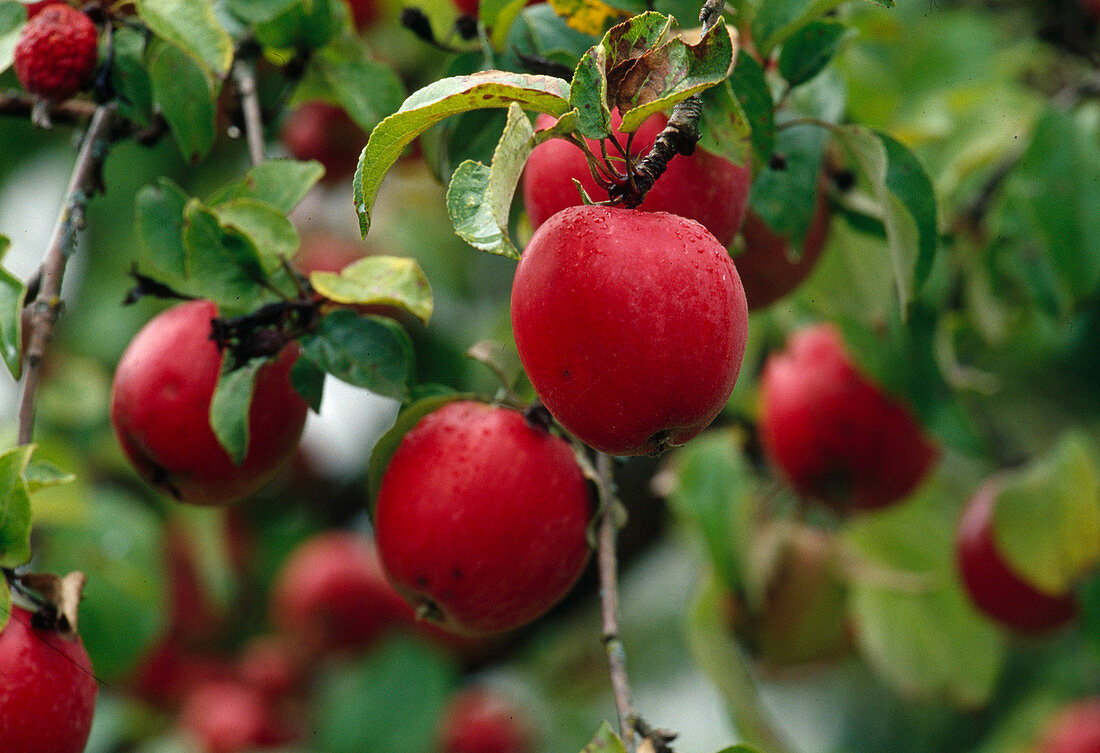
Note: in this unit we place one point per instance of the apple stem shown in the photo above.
(245, 77)
(609, 601)
(43, 311)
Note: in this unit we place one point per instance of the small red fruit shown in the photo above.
(47, 691)
(331, 595)
(160, 408)
(56, 52)
(467, 7)
(1074, 729)
(230, 717)
(363, 13)
(271, 665)
(702, 187)
(767, 270)
(631, 326)
(993, 586)
(833, 433)
(478, 720)
(324, 132)
(481, 517)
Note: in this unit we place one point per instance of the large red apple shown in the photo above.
(47, 690)
(480, 720)
(480, 518)
(231, 717)
(835, 434)
(1074, 729)
(993, 586)
(702, 187)
(767, 270)
(160, 408)
(331, 595)
(631, 326)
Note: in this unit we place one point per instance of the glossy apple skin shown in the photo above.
(331, 595)
(478, 720)
(47, 696)
(160, 406)
(834, 434)
(631, 326)
(324, 132)
(767, 271)
(231, 717)
(1074, 729)
(702, 187)
(992, 585)
(480, 518)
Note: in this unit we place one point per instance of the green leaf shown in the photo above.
(129, 77)
(282, 183)
(715, 494)
(724, 126)
(159, 220)
(809, 50)
(1056, 180)
(192, 26)
(308, 381)
(230, 403)
(13, 295)
(1046, 519)
(751, 90)
(498, 17)
(15, 507)
(479, 198)
(775, 23)
(256, 12)
(592, 91)
(400, 686)
(343, 72)
(119, 543)
(671, 73)
(267, 227)
(388, 443)
(5, 603)
(222, 264)
(378, 280)
(902, 233)
(605, 741)
(365, 351)
(305, 24)
(500, 358)
(186, 95)
(907, 180)
(437, 101)
(786, 199)
(915, 623)
(41, 474)
(13, 16)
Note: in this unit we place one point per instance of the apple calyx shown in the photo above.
(56, 600)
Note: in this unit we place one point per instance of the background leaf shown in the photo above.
(186, 96)
(366, 351)
(15, 507)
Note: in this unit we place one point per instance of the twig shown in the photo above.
(70, 111)
(245, 77)
(85, 181)
(609, 601)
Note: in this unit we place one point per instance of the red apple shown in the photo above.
(767, 270)
(480, 518)
(631, 326)
(272, 665)
(160, 408)
(1074, 729)
(703, 187)
(363, 13)
(324, 132)
(835, 434)
(47, 690)
(230, 717)
(467, 7)
(170, 670)
(479, 720)
(993, 586)
(33, 9)
(331, 595)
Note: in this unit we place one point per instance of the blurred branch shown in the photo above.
(245, 77)
(86, 180)
(69, 111)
